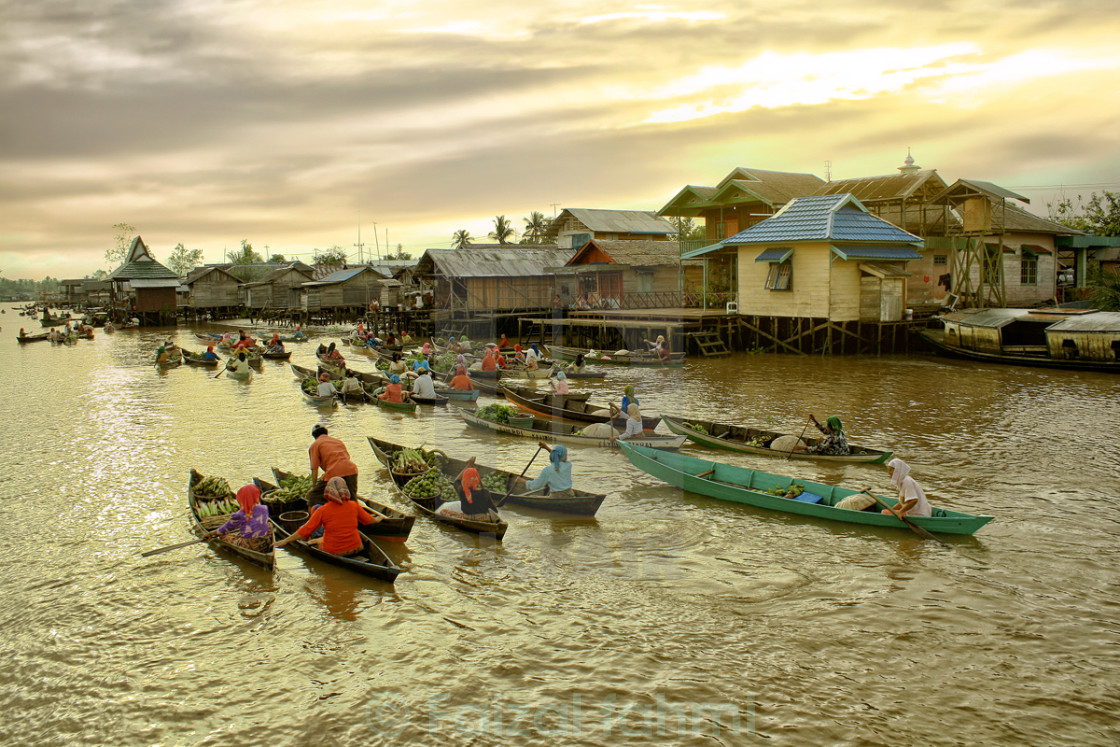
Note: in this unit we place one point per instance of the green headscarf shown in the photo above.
(629, 390)
(834, 424)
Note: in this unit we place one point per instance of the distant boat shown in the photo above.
(1083, 339)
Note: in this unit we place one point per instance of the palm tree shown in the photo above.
(536, 226)
(503, 231)
(461, 239)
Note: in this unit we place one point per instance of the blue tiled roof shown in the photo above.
(781, 254)
(838, 217)
(876, 251)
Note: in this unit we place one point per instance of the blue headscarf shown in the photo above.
(559, 454)
(535, 348)
(451, 339)
(394, 379)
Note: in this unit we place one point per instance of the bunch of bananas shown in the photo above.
(212, 487)
(431, 484)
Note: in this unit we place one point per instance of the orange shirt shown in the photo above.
(392, 393)
(462, 381)
(330, 455)
(488, 363)
(340, 526)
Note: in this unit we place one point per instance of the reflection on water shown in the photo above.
(667, 618)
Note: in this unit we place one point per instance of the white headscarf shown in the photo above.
(900, 470)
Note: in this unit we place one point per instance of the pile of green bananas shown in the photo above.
(431, 484)
(494, 481)
(212, 487)
(297, 483)
(311, 386)
(216, 508)
(697, 427)
(410, 460)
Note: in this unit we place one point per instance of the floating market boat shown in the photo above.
(565, 433)
(630, 358)
(406, 406)
(196, 359)
(752, 440)
(370, 561)
(395, 527)
(207, 515)
(764, 490)
(386, 450)
(462, 395)
(569, 407)
(41, 337)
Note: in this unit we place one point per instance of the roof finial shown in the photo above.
(908, 165)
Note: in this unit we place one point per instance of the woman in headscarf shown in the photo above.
(334, 356)
(504, 342)
(426, 348)
(557, 476)
(834, 443)
(247, 527)
(633, 420)
(461, 360)
(560, 383)
(300, 334)
(238, 364)
(476, 498)
(658, 348)
(628, 398)
(489, 362)
(339, 517)
(162, 356)
(577, 365)
(326, 386)
(461, 380)
(209, 355)
(533, 357)
(392, 391)
(275, 345)
(397, 366)
(452, 346)
(518, 356)
(911, 498)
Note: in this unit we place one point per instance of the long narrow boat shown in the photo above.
(201, 525)
(301, 372)
(566, 433)
(741, 485)
(395, 527)
(567, 407)
(371, 561)
(752, 440)
(406, 406)
(384, 450)
(676, 360)
(277, 356)
(486, 386)
(41, 337)
(165, 365)
(510, 373)
(245, 375)
(462, 395)
(324, 401)
(196, 359)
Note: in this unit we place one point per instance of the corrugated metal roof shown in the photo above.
(513, 260)
(887, 187)
(638, 253)
(144, 267)
(1097, 321)
(172, 282)
(884, 271)
(877, 251)
(339, 276)
(780, 254)
(822, 218)
(618, 221)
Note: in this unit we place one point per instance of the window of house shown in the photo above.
(1028, 272)
(941, 259)
(780, 276)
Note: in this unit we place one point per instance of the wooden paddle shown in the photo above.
(540, 445)
(219, 373)
(799, 438)
(923, 533)
(159, 550)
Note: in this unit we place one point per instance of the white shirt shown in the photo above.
(326, 388)
(633, 427)
(423, 387)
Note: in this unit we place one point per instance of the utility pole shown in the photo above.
(554, 209)
(378, 246)
(360, 244)
(387, 252)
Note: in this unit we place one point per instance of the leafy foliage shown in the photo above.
(333, 257)
(278, 259)
(536, 228)
(1099, 216)
(122, 238)
(1104, 290)
(183, 260)
(687, 228)
(503, 231)
(461, 239)
(399, 254)
(247, 255)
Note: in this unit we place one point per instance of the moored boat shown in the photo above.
(751, 440)
(569, 407)
(196, 359)
(753, 487)
(630, 358)
(207, 514)
(277, 356)
(546, 429)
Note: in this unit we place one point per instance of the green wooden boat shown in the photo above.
(741, 485)
(631, 358)
(752, 440)
(397, 406)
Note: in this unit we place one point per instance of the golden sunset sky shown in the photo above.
(288, 123)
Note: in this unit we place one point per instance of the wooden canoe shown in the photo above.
(462, 395)
(395, 527)
(567, 407)
(406, 406)
(753, 440)
(371, 561)
(676, 360)
(277, 356)
(384, 450)
(336, 370)
(34, 338)
(195, 359)
(327, 401)
(201, 525)
(243, 375)
(567, 433)
(510, 373)
(170, 364)
(741, 485)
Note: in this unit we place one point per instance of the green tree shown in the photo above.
(1099, 216)
(247, 255)
(687, 228)
(399, 254)
(461, 239)
(503, 230)
(122, 239)
(333, 257)
(278, 259)
(536, 228)
(183, 260)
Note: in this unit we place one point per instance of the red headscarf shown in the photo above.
(248, 497)
(517, 348)
(336, 490)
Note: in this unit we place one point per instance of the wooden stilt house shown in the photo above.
(143, 288)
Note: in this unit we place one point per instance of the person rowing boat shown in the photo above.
(339, 518)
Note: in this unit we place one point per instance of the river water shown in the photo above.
(670, 618)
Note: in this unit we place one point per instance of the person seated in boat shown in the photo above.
(393, 390)
(461, 360)
(162, 356)
(834, 443)
(475, 499)
(533, 357)
(326, 386)
(633, 420)
(299, 333)
(334, 357)
(464, 344)
(247, 527)
(209, 355)
(239, 363)
(422, 385)
(321, 350)
(577, 365)
(390, 340)
(244, 342)
(628, 398)
(557, 476)
(339, 518)
(560, 383)
(397, 365)
(351, 385)
(461, 380)
(426, 348)
(911, 498)
(659, 348)
(420, 363)
(330, 455)
(503, 343)
(406, 338)
(452, 346)
(276, 345)
(489, 362)
(518, 357)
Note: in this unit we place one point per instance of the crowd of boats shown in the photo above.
(554, 414)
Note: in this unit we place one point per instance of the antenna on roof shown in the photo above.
(828, 171)
(359, 244)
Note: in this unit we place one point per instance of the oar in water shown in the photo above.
(220, 373)
(540, 445)
(159, 550)
(923, 533)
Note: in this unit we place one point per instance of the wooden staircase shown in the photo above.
(709, 343)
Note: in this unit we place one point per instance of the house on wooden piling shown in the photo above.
(280, 290)
(210, 290)
(487, 278)
(342, 293)
(809, 277)
(143, 288)
(574, 227)
(625, 274)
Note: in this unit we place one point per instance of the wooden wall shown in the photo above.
(213, 290)
(156, 299)
(1096, 346)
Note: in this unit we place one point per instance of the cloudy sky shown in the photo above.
(288, 123)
